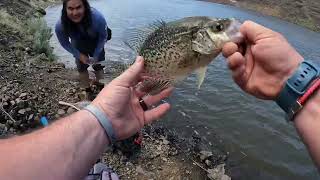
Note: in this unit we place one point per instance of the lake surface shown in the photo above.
(244, 124)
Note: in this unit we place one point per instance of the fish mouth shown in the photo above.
(233, 31)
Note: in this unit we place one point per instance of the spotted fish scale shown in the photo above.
(174, 50)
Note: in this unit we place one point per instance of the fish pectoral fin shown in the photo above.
(201, 73)
(153, 86)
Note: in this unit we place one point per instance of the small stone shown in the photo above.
(70, 110)
(17, 123)
(61, 112)
(22, 111)
(10, 122)
(28, 109)
(166, 142)
(28, 49)
(5, 105)
(12, 103)
(2, 126)
(23, 95)
(31, 116)
(208, 162)
(205, 155)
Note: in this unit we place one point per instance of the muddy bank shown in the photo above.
(32, 86)
(302, 12)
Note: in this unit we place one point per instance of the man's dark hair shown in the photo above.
(68, 25)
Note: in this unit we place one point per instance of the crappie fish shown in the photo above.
(173, 50)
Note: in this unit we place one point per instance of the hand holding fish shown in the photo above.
(266, 64)
(84, 58)
(119, 100)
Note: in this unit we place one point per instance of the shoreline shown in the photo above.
(303, 13)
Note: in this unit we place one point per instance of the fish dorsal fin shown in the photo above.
(137, 36)
(201, 73)
(153, 86)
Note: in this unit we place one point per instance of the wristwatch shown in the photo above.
(296, 86)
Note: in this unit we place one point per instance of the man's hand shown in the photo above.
(120, 101)
(84, 58)
(265, 65)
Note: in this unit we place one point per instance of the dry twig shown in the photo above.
(5, 112)
(200, 166)
(69, 104)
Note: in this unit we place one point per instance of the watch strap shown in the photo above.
(296, 85)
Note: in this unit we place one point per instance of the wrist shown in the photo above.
(298, 88)
(91, 121)
(293, 64)
(311, 109)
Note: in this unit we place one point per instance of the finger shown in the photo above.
(229, 48)
(235, 61)
(132, 75)
(253, 31)
(155, 113)
(151, 100)
(239, 77)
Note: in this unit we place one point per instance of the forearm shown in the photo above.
(307, 124)
(65, 150)
(65, 43)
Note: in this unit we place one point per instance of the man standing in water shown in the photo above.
(81, 30)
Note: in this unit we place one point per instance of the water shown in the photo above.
(245, 125)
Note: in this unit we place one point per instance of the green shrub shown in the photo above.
(41, 34)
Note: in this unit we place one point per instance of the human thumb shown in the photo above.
(131, 76)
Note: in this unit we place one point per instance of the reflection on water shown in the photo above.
(245, 124)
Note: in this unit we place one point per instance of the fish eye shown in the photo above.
(219, 27)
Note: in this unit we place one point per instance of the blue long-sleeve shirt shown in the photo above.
(74, 39)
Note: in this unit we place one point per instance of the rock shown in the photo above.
(218, 173)
(28, 109)
(17, 123)
(165, 142)
(205, 155)
(173, 152)
(28, 50)
(22, 111)
(12, 103)
(141, 171)
(20, 103)
(23, 95)
(5, 105)
(2, 127)
(31, 116)
(70, 110)
(208, 162)
(61, 112)
(10, 122)
(164, 159)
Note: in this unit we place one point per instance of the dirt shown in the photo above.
(31, 87)
(302, 12)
